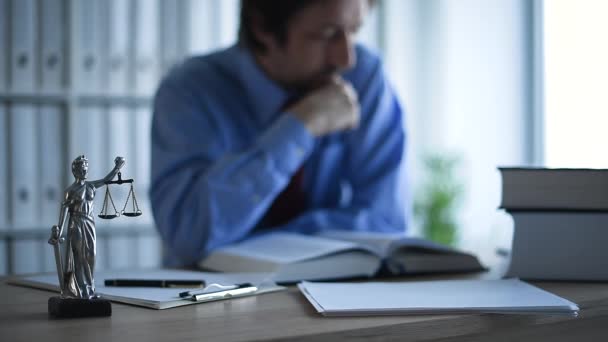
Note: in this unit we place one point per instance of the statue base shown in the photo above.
(79, 307)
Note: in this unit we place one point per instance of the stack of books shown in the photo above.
(561, 222)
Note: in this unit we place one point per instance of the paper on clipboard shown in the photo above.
(157, 298)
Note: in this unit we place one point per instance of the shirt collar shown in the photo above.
(264, 95)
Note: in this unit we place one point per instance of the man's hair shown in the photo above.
(272, 15)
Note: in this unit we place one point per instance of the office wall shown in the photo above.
(464, 71)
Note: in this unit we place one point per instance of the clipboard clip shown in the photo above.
(217, 291)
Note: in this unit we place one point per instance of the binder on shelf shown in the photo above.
(48, 256)
(88, 136)
(53, 164)
(87, 16)
(119, 143)
(26, 257)
(4, 143)
(173, 33)
(122, 255)
(145, 68)
(142, 162)
(119, 34)
(3, 258)
(23, 42)
(102, 252)
(52, 38)
(149, 252)
(228, 21)
(23, 166)
(204, 19)
(3, 44)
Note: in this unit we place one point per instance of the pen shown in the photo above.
(238, 291)
(212, 288)
(154, 283)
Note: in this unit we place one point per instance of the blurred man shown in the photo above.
(295, 128)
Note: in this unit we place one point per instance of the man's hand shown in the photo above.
(332, 108)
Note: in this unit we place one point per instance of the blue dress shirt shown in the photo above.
(223, 149)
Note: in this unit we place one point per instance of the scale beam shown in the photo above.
(119, 180)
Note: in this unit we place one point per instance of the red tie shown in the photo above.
(292, 200)
(289, 203)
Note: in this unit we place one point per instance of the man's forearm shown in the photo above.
(203, 206)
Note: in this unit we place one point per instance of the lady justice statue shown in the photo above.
(76, 275)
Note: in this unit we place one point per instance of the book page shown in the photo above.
(380, 243)
(283, 247)
(410, 255)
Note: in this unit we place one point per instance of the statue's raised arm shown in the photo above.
(119, 162)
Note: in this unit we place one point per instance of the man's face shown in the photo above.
(319, 44)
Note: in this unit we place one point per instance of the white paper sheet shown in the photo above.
(433, 297)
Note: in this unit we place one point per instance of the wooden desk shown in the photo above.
(288, 316)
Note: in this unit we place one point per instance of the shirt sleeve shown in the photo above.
(204, 194)
(375, 170)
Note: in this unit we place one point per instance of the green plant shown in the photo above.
(438, 198)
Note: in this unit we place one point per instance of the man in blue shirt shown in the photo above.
(294, 128)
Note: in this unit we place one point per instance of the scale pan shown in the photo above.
(107, 216)
(132, 214)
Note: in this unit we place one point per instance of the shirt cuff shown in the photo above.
(287, 142)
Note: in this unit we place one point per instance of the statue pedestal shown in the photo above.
(79, 307)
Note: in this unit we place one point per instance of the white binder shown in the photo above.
(141, 134)
(23, 166)
(122, 252)
(3, 43)
(228, 22)
(53, 34)
(23, 41)
(88, 136)
(87, 18)
(3, 258)
(204, 26)
(118, 30)
(149, 248)
(53, 164)
(48, 255)
(149, 251)
(4, 143)
(26, 257)
(120, 144)
(173, 33)
(146, 47)
(102, 252)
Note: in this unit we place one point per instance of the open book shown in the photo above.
(338, 254)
